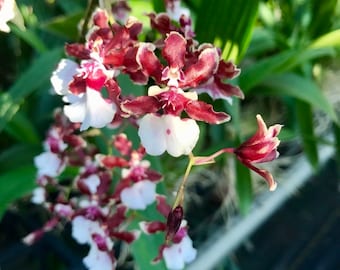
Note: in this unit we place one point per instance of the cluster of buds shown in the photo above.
(97, 191)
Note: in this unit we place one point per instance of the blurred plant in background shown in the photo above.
(89, 178)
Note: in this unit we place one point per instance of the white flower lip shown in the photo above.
(177, 255)
(139, 195)
(48, 164)
(168, 133)
(90, 109)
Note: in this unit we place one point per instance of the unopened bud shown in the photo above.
(174, 221)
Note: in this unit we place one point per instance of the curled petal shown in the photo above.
(161, 22)
(202, 70)
(227, 70)
(219, 90)
(264, 173)
(202, 111)
(63, 75)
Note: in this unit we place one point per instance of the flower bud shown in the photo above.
(174, 221)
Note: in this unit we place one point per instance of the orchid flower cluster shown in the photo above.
(99, 193)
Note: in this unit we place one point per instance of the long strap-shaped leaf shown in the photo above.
(38, 74)
(228, 24)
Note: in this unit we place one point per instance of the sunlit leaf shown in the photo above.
(227, 25)
(328, 40)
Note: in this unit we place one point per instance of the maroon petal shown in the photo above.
(148, 61)
(118, 217)
(77, 50)
(122, 144)
(261, 151)
(152, 227)
(152, 175)
(202, 70)
(162, 206)
(138, 77)
(140, 105)
(78, 85)
(174, 50)
(100, 18)
(128, 237)
(227, 70)
(199, 110)
(161, 22)
(111, 162)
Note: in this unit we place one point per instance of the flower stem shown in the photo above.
(180, 192)
(89, 10)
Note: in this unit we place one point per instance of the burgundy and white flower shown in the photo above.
(97, 259)
(81, 88)
(177, 255)
(86, 231)
(260, 148)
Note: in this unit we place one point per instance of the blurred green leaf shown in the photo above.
(17, 154)
(15, 184)
(322, 16)
(263, 40)
(34, 77)
(299, 87)
(22, 129)
(257, 72)
(30, 38)
(73, 6)
(336, 131)
(278, 63)
(65, 26)
(304, 116)
(243, 187)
